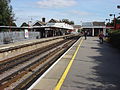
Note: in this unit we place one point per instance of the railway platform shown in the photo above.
(12, 49)
(14, 44)
(87, 65)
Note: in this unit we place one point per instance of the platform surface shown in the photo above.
(95, 67)
(4, 46)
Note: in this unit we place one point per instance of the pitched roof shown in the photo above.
(53, 21)
(39, 23)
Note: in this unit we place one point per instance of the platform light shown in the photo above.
(108, 20)
(114, 20)
(118, 6)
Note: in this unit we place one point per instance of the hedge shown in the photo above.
(114, 38)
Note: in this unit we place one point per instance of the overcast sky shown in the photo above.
(75, 10)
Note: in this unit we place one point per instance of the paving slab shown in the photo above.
(96, 67)
(47, 84)
(50, 80)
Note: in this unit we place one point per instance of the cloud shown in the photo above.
(56, 3)
(80, 12)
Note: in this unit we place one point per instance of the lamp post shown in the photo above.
(108, 23)
(118, 6)
(114, 20)
(108, 20)
(29, 25)
(30, 22)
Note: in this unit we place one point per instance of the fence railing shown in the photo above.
(8, 37)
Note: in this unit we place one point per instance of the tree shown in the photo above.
(14, 24)
(6, 14)
(118, 20)
(110, 24)
(68, 21)
(71, 22)
(114, 23)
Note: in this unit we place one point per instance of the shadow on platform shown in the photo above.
(107, 68)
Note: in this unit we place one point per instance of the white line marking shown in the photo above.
(38, 80)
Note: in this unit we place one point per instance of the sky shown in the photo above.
(75, 10)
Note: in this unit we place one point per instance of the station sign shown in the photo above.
(26, 33)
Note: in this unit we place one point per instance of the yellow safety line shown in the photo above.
(58, 86)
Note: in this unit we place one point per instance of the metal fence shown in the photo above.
(8, 37)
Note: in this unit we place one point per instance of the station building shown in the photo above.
(77, 29)
(94, 28)
(45, 29)
(52, 28)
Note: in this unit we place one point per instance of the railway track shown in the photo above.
(26, 56)
(24, 70)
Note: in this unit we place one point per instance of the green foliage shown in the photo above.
(79, 30)
(114, 38)
(14, 24)
(68, 22)
(110, 24)
(6, 14)
(117, 20)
